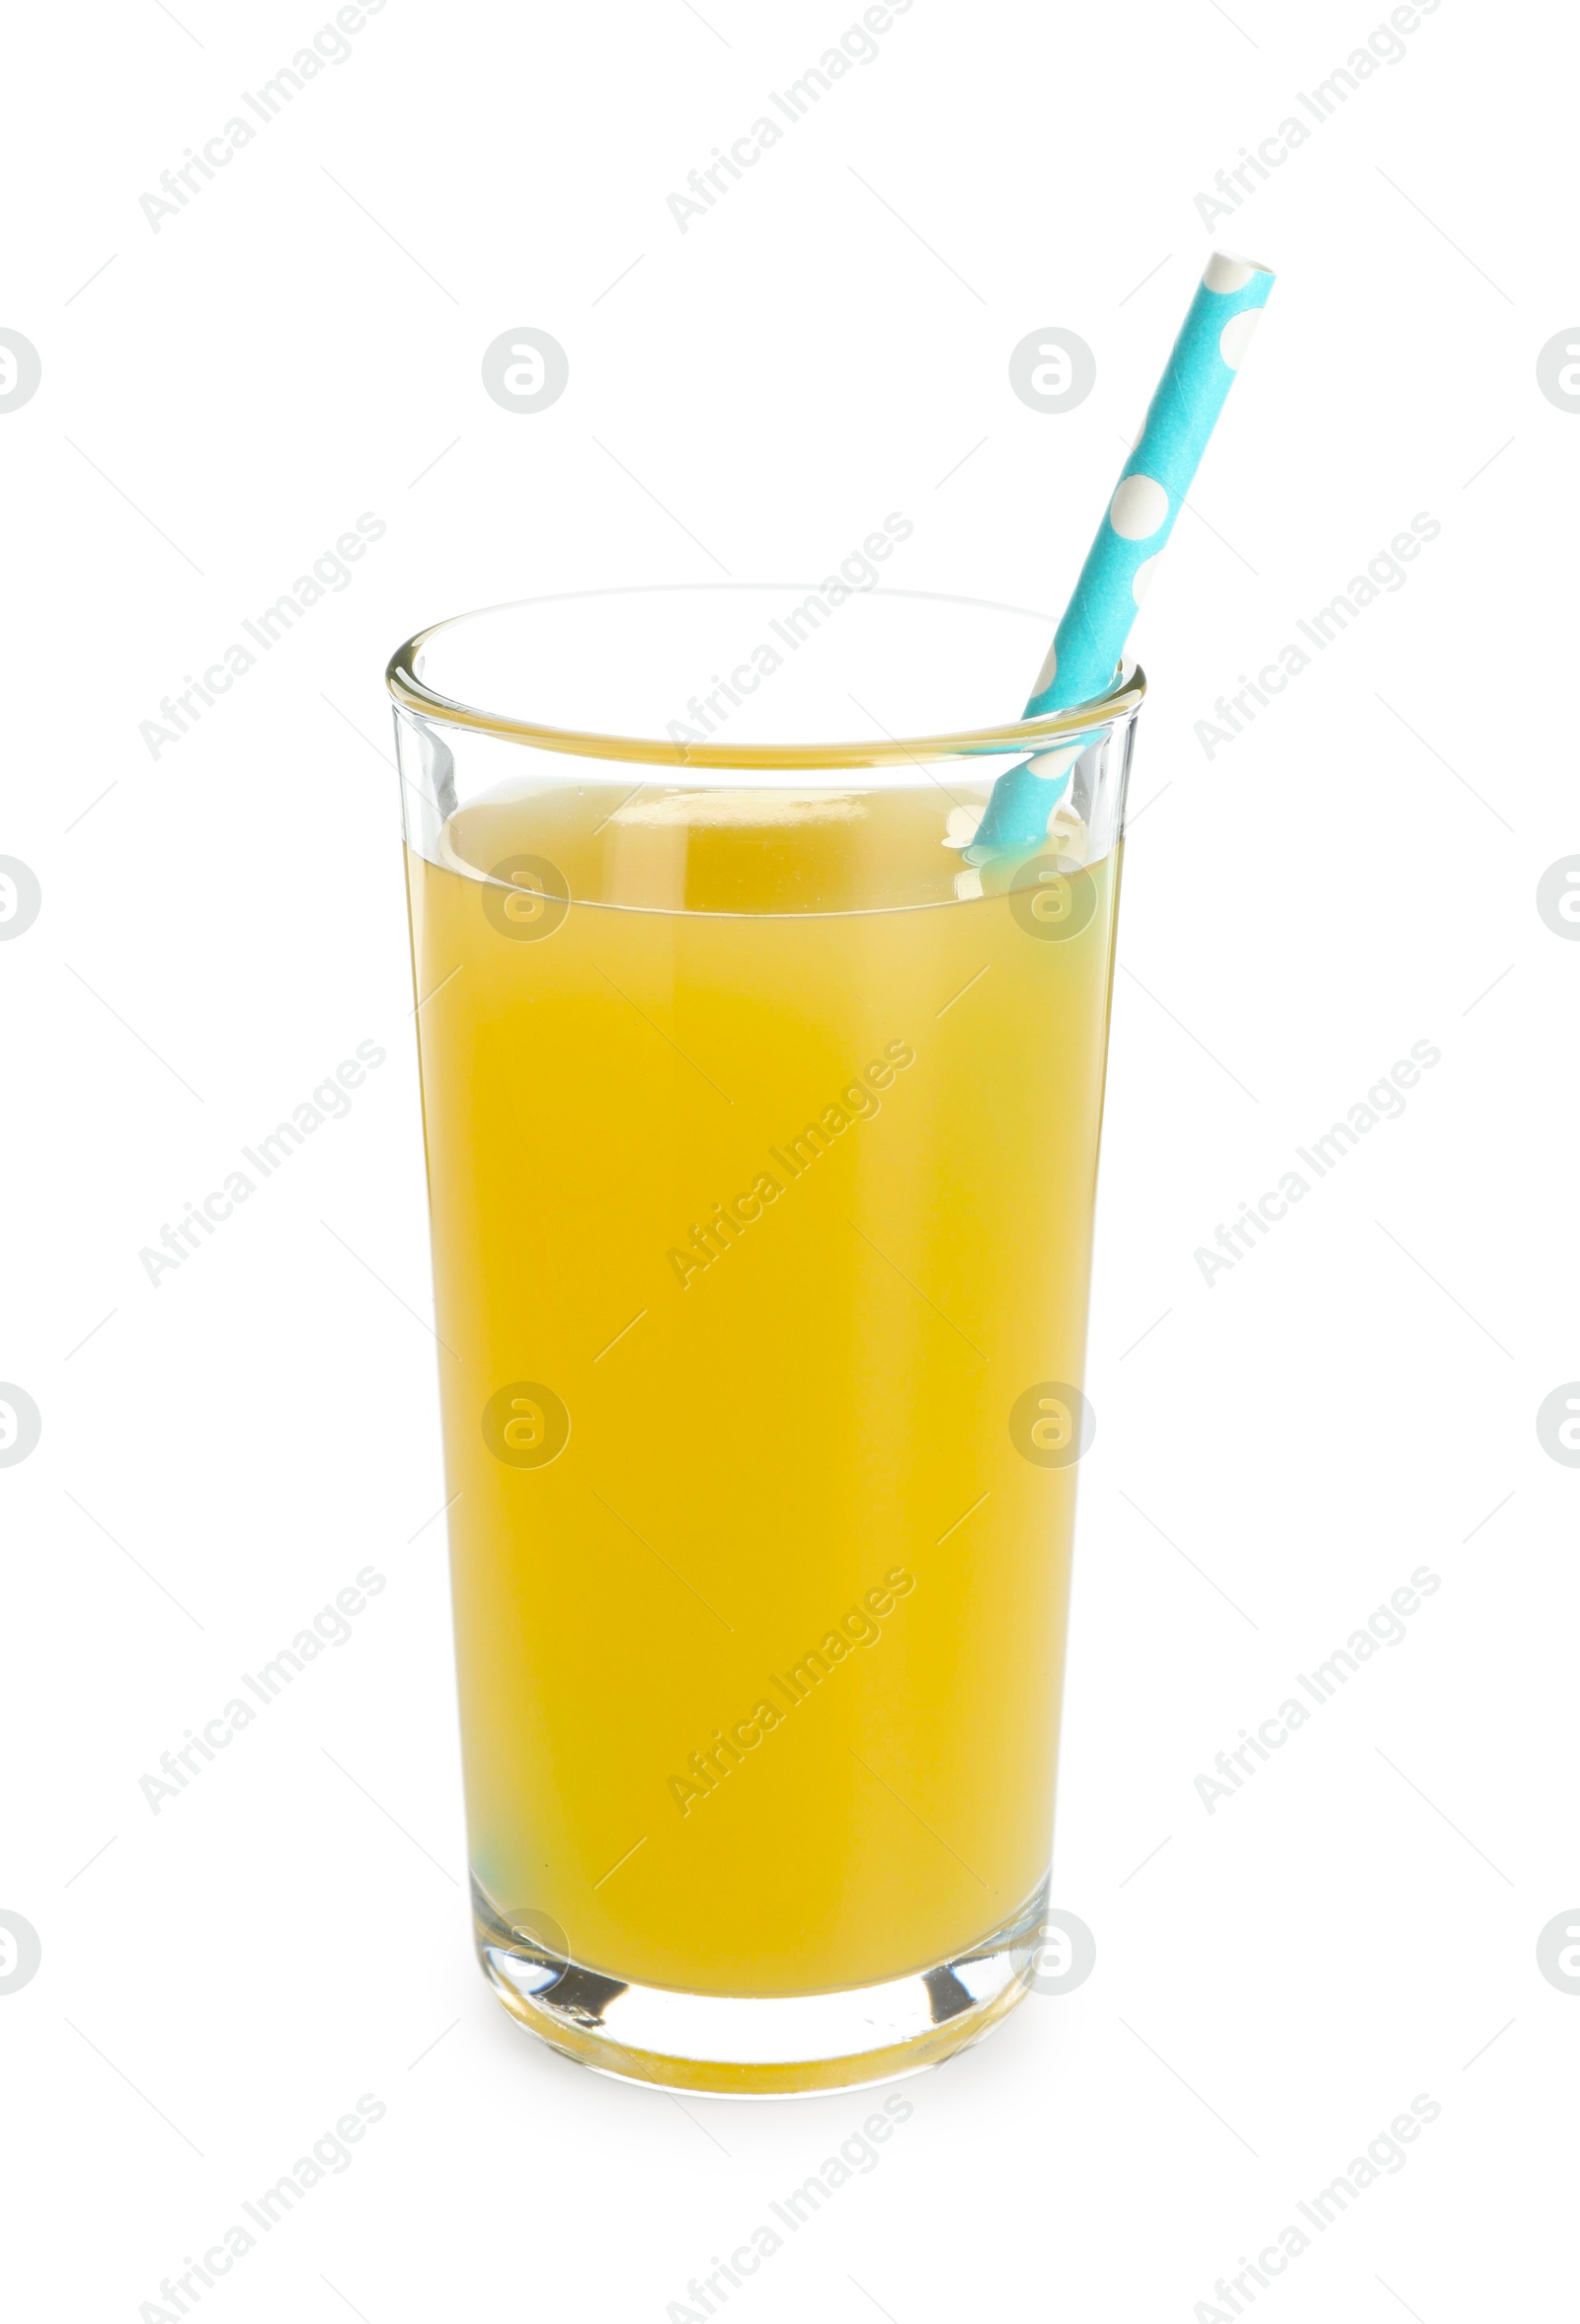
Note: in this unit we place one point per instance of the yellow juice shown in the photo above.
(762, 1198)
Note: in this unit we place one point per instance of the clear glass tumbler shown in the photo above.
(762, 1135)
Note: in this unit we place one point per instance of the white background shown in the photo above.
(1357, 1398)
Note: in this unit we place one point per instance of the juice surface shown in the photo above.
(761, 1197)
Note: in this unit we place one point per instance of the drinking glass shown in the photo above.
(761, 1130)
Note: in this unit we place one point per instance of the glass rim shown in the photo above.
(409, 692)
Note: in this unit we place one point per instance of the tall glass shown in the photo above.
(761, 1136)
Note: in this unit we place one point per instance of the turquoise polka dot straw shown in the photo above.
(1089, 641)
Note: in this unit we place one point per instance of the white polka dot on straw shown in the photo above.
(1142, 577)
(1236, 335)
(1137, 508)
(1049, 763)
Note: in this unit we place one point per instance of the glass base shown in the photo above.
(771, 2048)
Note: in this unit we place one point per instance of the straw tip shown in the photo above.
(1226, 271)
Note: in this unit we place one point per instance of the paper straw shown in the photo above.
(1090, 640)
